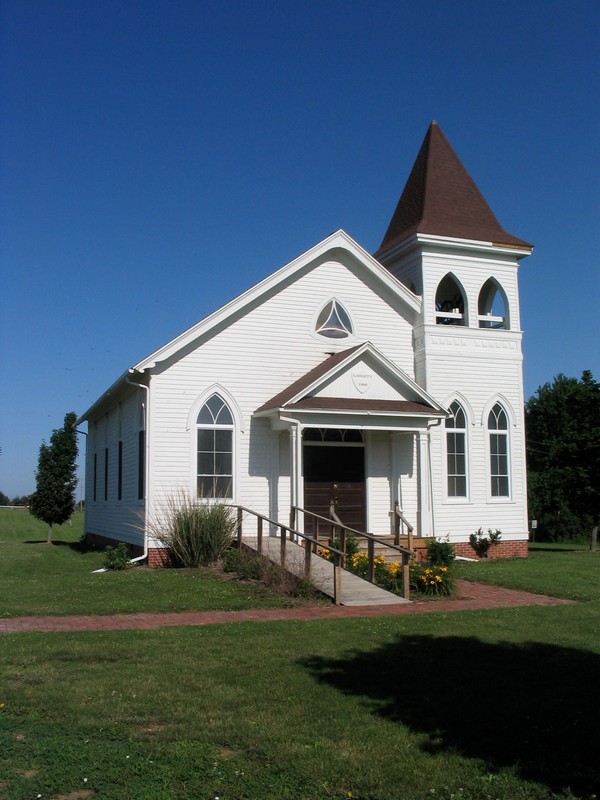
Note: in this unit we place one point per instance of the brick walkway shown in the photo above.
(470, 596)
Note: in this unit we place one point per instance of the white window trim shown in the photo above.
(448, 498)
(491, 498)
(192, 429)
(341, 341)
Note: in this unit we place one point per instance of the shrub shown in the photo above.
(440, 553)
(352, 544)
(428, 578)
(481, 543)
(388, 575)
(431, 579)
(116, 557)
(195, 533)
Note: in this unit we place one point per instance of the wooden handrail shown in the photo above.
(311, 545)
(400, 518)
(363, 534)
(405, 553)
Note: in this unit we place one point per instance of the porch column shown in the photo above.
(274, 480)
(395, 483)
(296, 466)
(424, 512)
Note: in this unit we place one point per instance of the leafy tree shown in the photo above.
(4, 500)
(53, 501)
(563, 456)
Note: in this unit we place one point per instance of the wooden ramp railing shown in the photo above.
(338, 530)
(289, 533)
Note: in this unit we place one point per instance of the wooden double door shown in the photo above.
(335, 474)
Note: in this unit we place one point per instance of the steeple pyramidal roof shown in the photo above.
(441, 199)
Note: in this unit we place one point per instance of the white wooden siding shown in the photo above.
(268, 348)
(113, 518)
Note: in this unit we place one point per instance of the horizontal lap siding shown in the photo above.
(253, 359)
(114, 518)
(481, 373)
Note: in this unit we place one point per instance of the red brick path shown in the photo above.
(470, 596)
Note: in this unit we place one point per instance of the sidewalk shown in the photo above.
(470, 597)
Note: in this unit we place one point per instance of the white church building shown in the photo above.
(342, 378)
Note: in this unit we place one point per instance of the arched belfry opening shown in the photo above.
(450, 302)
(492, 306)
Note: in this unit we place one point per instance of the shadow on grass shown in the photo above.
(530, 706)
(78, 547)
(564, 548)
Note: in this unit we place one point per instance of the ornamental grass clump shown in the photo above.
(195, 533)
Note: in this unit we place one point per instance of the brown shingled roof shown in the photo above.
(302, 384)
(306, 380)
(440, 198)
(362, 404)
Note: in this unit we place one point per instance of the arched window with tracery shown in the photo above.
(499, 466)
(450, 303)
(456, 451)
(215, 430)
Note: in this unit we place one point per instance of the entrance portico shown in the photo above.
(361, 452)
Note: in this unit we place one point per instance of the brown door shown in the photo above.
(334, 475)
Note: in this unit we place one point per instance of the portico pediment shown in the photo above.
(359, 382)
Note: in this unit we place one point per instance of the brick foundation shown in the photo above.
(158, 557)
(511, 549)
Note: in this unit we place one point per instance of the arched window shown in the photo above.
(450, 305)
(492, 307)
(456, 451)
(334, 321)
(498, 433)
(215, 449)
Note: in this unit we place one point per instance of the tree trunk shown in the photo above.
(49, 540)
(594, 542)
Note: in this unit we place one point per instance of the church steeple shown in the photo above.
(441, 199)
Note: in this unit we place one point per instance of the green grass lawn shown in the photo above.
(567, 570)
(473, 705)
(59, 579)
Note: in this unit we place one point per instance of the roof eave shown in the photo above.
(337, 240)
(454, 243)
(289, 410)
(121, 382)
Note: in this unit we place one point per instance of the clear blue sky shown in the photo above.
(159, 157)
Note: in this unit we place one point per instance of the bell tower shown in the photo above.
(446, 245)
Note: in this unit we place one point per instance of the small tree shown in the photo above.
(53, 501)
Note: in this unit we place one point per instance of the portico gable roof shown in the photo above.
(304, 393)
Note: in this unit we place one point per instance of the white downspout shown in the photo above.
(146, 468)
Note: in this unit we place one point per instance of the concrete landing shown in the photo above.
(355, 590)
